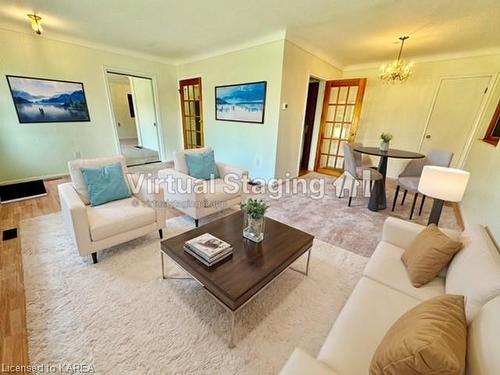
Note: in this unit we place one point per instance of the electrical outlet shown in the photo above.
(78, 154)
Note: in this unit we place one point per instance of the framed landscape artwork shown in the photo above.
(47, 100)
(244, 102)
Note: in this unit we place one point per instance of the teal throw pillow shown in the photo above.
(202, 165)
(105, 184)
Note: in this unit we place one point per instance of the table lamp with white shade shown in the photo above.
(442, 184)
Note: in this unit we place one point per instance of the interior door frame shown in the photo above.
(181, 106)
(321, 91)
(486, 99)
(311, 131)
(154, 82)
(355, 117)
(136, 119)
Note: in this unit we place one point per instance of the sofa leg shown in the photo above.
(94, 258)
(160, 231)
(196, 223)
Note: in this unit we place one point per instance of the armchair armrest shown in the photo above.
(75, 217)
(225, 169)
(167, 173)
(301, 363)
(150, 193)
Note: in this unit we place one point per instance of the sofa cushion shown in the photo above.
(301, 363)
(386, 267)
(118, 217)
(429, 339)
(428, 254)
(475, 271)
(221, 192)
(180, 160)
(484, 340)
(369, 312)
(77, 178)
(202, 165)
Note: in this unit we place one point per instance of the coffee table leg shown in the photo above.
(170, 277)
(306, 272)
(231, 332)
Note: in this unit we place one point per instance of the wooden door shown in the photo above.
(192, 112)
(339, 121)
(312, 98)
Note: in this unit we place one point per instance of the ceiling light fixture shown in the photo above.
(36, 23)
(398, 71)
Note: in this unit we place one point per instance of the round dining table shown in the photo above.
(378, 199)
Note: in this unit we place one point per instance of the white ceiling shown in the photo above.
(344, 32)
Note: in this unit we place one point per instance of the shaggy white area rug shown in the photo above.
(121, 317)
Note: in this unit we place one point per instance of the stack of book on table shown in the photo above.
(208, 249)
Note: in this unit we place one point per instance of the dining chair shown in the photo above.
(410, 177)
(355, 166)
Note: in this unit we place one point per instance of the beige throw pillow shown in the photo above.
(428, 254)
(431, 338)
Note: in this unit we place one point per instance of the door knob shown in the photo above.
(428, 136)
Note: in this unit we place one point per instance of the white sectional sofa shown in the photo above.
(384, 293)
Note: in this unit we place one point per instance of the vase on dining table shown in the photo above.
(385, 139)
(384, 146)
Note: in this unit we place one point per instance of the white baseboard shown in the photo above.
(26, 179)
(24, 198)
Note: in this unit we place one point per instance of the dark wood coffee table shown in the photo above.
(252, 267)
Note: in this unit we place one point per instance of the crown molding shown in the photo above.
(270, 38)
(274, 37)
(427, 58)
(318, 55)
(91, 45)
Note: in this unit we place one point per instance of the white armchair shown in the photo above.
(205, 197)
(96, 228)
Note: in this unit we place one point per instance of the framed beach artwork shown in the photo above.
(243, 102)
(47, 100)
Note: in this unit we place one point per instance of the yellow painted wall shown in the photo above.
(249, 146)
(31, 150)
(402, 109)
(481, 202)
(298, 66)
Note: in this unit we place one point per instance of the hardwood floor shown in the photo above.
(13, 330)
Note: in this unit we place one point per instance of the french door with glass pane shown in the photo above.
(192, 112)
(339, 121)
